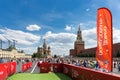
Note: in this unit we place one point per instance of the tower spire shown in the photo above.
(79, 28)
(79, 35)
(44, 44)
(78, 45)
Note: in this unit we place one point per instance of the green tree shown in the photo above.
(33, 56)
(36, 55)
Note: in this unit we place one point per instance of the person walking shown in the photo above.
(96, 66)
(1, 60)
(84, 63)
(114, 64)
(118, 66)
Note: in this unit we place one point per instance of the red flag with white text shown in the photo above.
(104, 39)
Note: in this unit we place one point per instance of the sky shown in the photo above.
(30, 21)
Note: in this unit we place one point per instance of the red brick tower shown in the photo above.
(78, 44)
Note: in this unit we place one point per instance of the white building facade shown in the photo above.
(13, 54)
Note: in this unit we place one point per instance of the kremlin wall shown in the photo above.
(80, 49)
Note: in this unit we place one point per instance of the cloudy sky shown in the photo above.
(29, 21)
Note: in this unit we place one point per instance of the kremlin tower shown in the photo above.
(78, 44)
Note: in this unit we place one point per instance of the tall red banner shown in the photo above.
(104, 39)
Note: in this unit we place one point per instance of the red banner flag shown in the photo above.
(104, 39)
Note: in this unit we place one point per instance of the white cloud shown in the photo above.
(23, 38)
(116, 35)
(25, 41)
(60, 42)
(28, 50)
(33, 27)
(69, 28)
(61, 48)
(89, 36)
(88, 25)
(60, 37)
(88, 9)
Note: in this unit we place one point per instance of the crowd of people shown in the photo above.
(23, 60)
(116, 64)
(88, 63)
